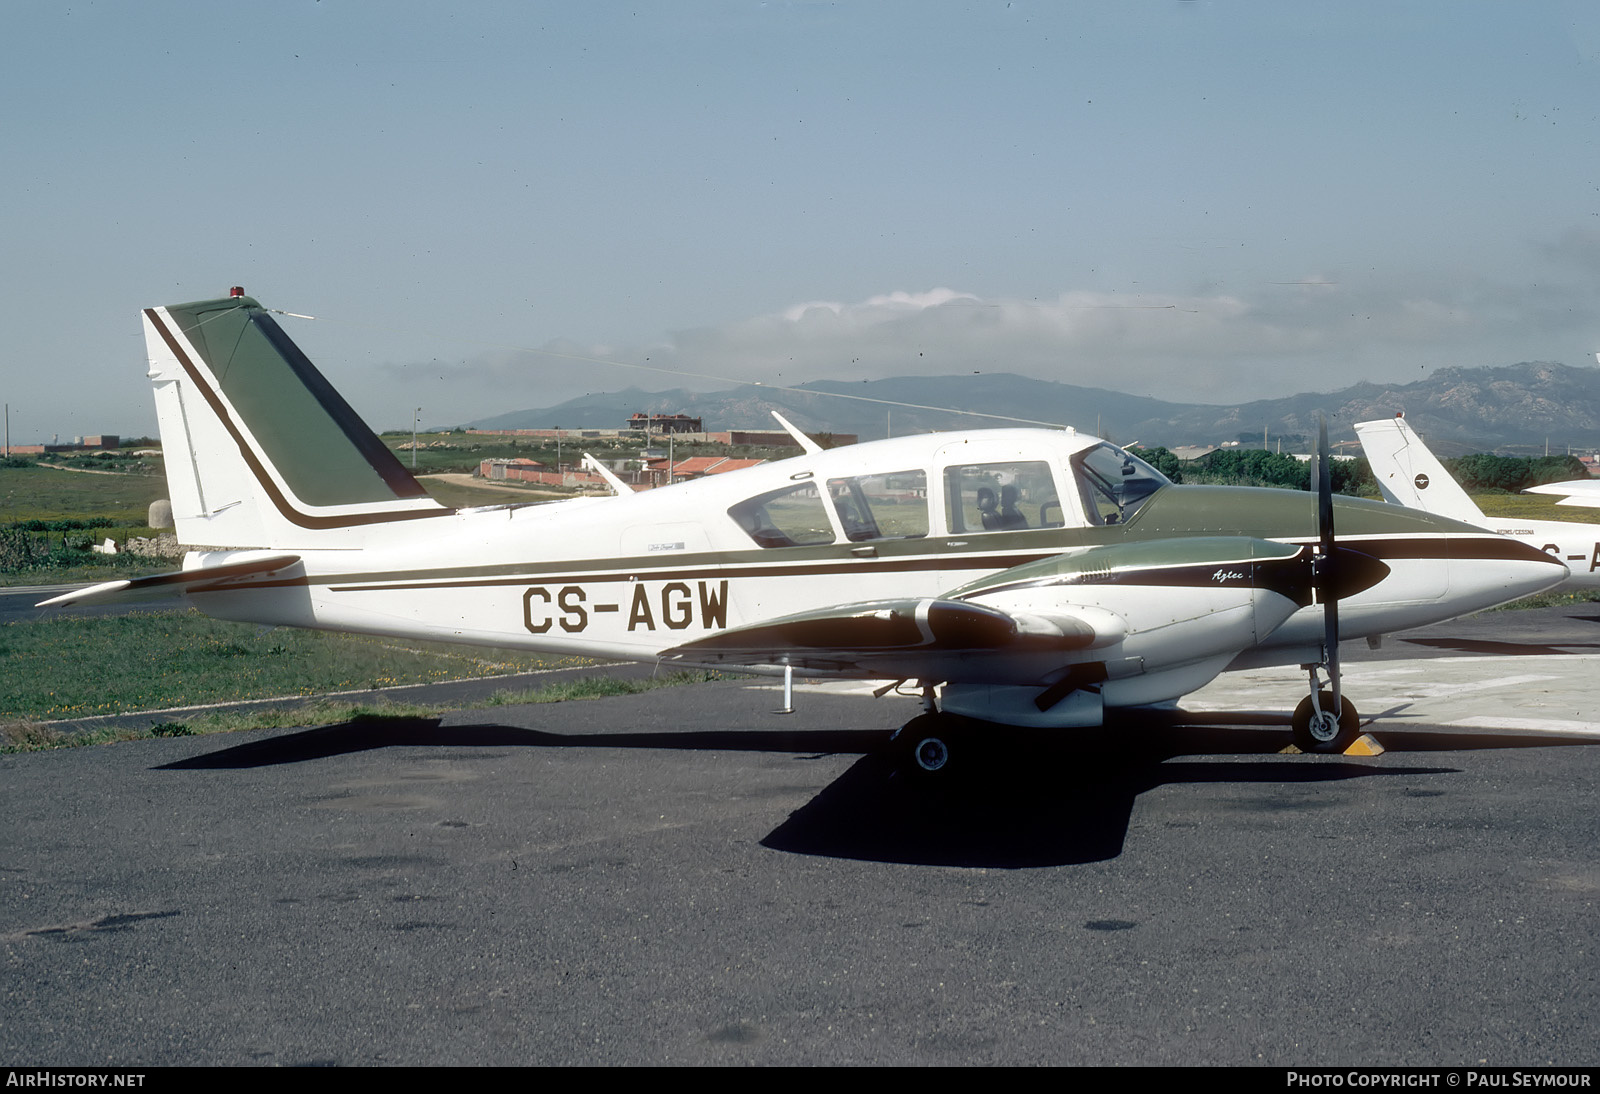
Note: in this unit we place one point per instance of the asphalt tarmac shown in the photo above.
(687, 877)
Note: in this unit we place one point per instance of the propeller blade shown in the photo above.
(1324, 488)
(1326, 582)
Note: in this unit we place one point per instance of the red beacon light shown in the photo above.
(237, 290)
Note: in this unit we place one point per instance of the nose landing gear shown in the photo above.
(1325, 721)
(1319, 727)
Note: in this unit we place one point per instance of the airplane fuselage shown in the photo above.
(1573, 543)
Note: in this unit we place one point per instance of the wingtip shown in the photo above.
(83, 595)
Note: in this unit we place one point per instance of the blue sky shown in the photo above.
(1202, 201)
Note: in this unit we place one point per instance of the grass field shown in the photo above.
(1535, 507)
(30, 736)
(48, 493)
(68, 668)
(439, 452)
(459, 495)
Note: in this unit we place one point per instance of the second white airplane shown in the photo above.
(1410, 475)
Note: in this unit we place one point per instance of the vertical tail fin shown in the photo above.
(260, 450)
(1410, 475)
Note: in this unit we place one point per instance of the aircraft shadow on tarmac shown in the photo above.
(1502, 649)
(366, 733)
(1069, 802)
(1015, 803)
(1553, 628)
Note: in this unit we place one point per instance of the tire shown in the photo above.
(930, 755)
(1325, 733)
(925, 745)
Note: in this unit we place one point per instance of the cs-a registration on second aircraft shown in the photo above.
(1016, 577)
(1409, 474)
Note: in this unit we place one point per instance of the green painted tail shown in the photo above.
(261, 451)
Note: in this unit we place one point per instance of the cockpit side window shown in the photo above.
(892, 506)
(998, 497)
(1114, 483)
(791, 517)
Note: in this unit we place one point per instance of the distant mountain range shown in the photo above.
(1458, 410)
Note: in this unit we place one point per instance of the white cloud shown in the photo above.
(1303, 333)
(880, 308)
(1309, 334)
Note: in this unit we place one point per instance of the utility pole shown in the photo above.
(415, 418)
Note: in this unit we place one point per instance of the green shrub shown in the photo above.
(18, 550)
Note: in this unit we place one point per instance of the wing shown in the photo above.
(1584, 492)
(933, 638)
(204, 579)
(1161, 602)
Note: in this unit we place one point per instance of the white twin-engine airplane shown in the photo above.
(1023, 577)
(1409, 474)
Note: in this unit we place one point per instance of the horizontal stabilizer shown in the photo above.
(158, 586)
(1581, 492)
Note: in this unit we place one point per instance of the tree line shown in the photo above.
(1478, 473)
(1481, 471)
(1257, 467)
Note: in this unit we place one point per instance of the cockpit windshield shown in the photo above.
(1114, 483)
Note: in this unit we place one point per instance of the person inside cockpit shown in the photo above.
(1010, 516)
(988, 509)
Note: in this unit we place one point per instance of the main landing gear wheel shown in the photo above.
(924, 744)
(931, 754)
(1322, 731)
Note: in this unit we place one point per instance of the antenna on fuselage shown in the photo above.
(810, 446)
(606, 473)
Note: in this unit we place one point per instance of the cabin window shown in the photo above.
(892, 506)
(791, 517)
(1114, 483)
(1002, 497)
